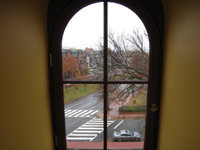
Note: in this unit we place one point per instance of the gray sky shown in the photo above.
(86, 26)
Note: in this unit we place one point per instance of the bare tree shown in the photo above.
(127, 60)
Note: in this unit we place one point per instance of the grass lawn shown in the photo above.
(141, 99)
(78, 91)
(139, 106)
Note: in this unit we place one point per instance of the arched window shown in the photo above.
(110, 92)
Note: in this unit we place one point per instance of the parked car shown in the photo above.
(126, 135)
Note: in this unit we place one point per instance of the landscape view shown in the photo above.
(127, 62)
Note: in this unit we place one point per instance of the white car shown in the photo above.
(126, 135)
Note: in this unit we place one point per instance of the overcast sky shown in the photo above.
(86, 26)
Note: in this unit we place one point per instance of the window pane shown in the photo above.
(80, 51)
(128, 45)
(127, 110)
(83, 109)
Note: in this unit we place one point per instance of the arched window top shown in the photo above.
(151, 13)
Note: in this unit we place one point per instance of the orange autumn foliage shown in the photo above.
(69, 63)
(78, 73)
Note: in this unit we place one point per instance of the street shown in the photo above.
(82, 123)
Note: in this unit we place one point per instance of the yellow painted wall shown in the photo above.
(25, 115)
(180, 104)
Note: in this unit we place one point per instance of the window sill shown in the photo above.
(110, 145)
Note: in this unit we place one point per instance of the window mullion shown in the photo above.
(105, 70)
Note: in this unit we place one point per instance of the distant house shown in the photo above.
(84, 58)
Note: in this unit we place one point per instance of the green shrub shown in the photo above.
(136, 108)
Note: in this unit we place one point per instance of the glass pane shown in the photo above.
(127, 109)
(128, 45)
(83, 109)
(81, 58)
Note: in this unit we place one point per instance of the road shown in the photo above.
(83, 125)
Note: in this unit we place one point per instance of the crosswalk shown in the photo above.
(88, 131)
(80, 113)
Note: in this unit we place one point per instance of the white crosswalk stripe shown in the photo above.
(88, 131)
(80, 113)
(74, 113)
(94, 112)
(86, 113)
(69, 112)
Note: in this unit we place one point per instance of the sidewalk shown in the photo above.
(110, 145)
(114, 112)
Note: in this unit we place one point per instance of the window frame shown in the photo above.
(59, 14)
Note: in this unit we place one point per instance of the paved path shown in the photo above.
(115, 107)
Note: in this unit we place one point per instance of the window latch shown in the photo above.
(153, 108)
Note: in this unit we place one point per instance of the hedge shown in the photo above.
(136, 108)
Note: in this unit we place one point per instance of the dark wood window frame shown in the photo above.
(59, 14)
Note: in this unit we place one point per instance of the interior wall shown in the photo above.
(25, 115)
(180, 103)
